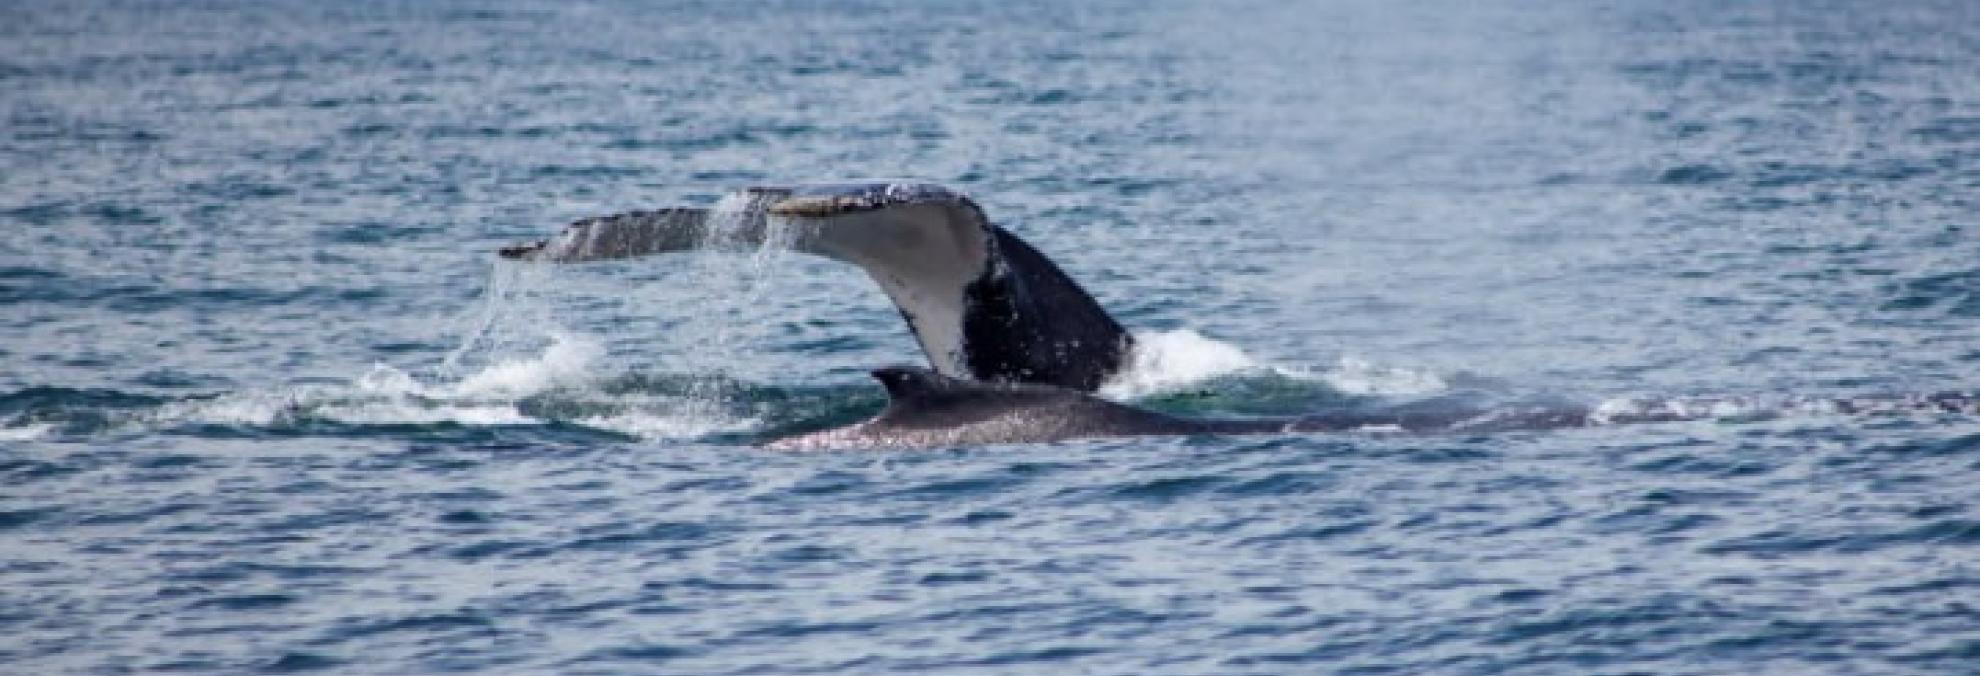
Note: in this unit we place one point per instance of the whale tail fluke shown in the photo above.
(627, 235)
(982, 303)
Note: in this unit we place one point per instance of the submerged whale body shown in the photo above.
(929, 410)
(982, 303)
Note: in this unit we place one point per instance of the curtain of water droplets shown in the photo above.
(721, 295)
(511, 319)
(730, 294)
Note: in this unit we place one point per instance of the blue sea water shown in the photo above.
(268, 404)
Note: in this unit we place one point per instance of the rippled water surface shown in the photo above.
(268, 404)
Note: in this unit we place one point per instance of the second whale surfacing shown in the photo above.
(929, 410)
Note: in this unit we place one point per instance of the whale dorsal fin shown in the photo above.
(912, 383)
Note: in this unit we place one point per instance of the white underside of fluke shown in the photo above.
(922, 255)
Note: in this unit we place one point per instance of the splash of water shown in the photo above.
(1356, 376)
(561, 380)
(1169, 361)
(514, 359)
(515, 364)
(731, 289)
(511, 318)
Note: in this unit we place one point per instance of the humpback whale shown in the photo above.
(1016, 347)
(983, 304)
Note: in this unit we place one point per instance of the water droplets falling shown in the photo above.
(728, 295)
(511, 318)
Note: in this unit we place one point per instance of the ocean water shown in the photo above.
(269, 404)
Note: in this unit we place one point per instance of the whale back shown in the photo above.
(926, 409)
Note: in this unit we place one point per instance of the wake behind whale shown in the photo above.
(1015, 345)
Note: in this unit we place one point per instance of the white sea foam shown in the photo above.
(685, 422)
(566, 361)
(1171, 360)
(1352, 375)
(493, 395)
(1622, 410)
(245, 408)
(29, 432)
(350, 405)
(1168, 361)
(412, 412)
